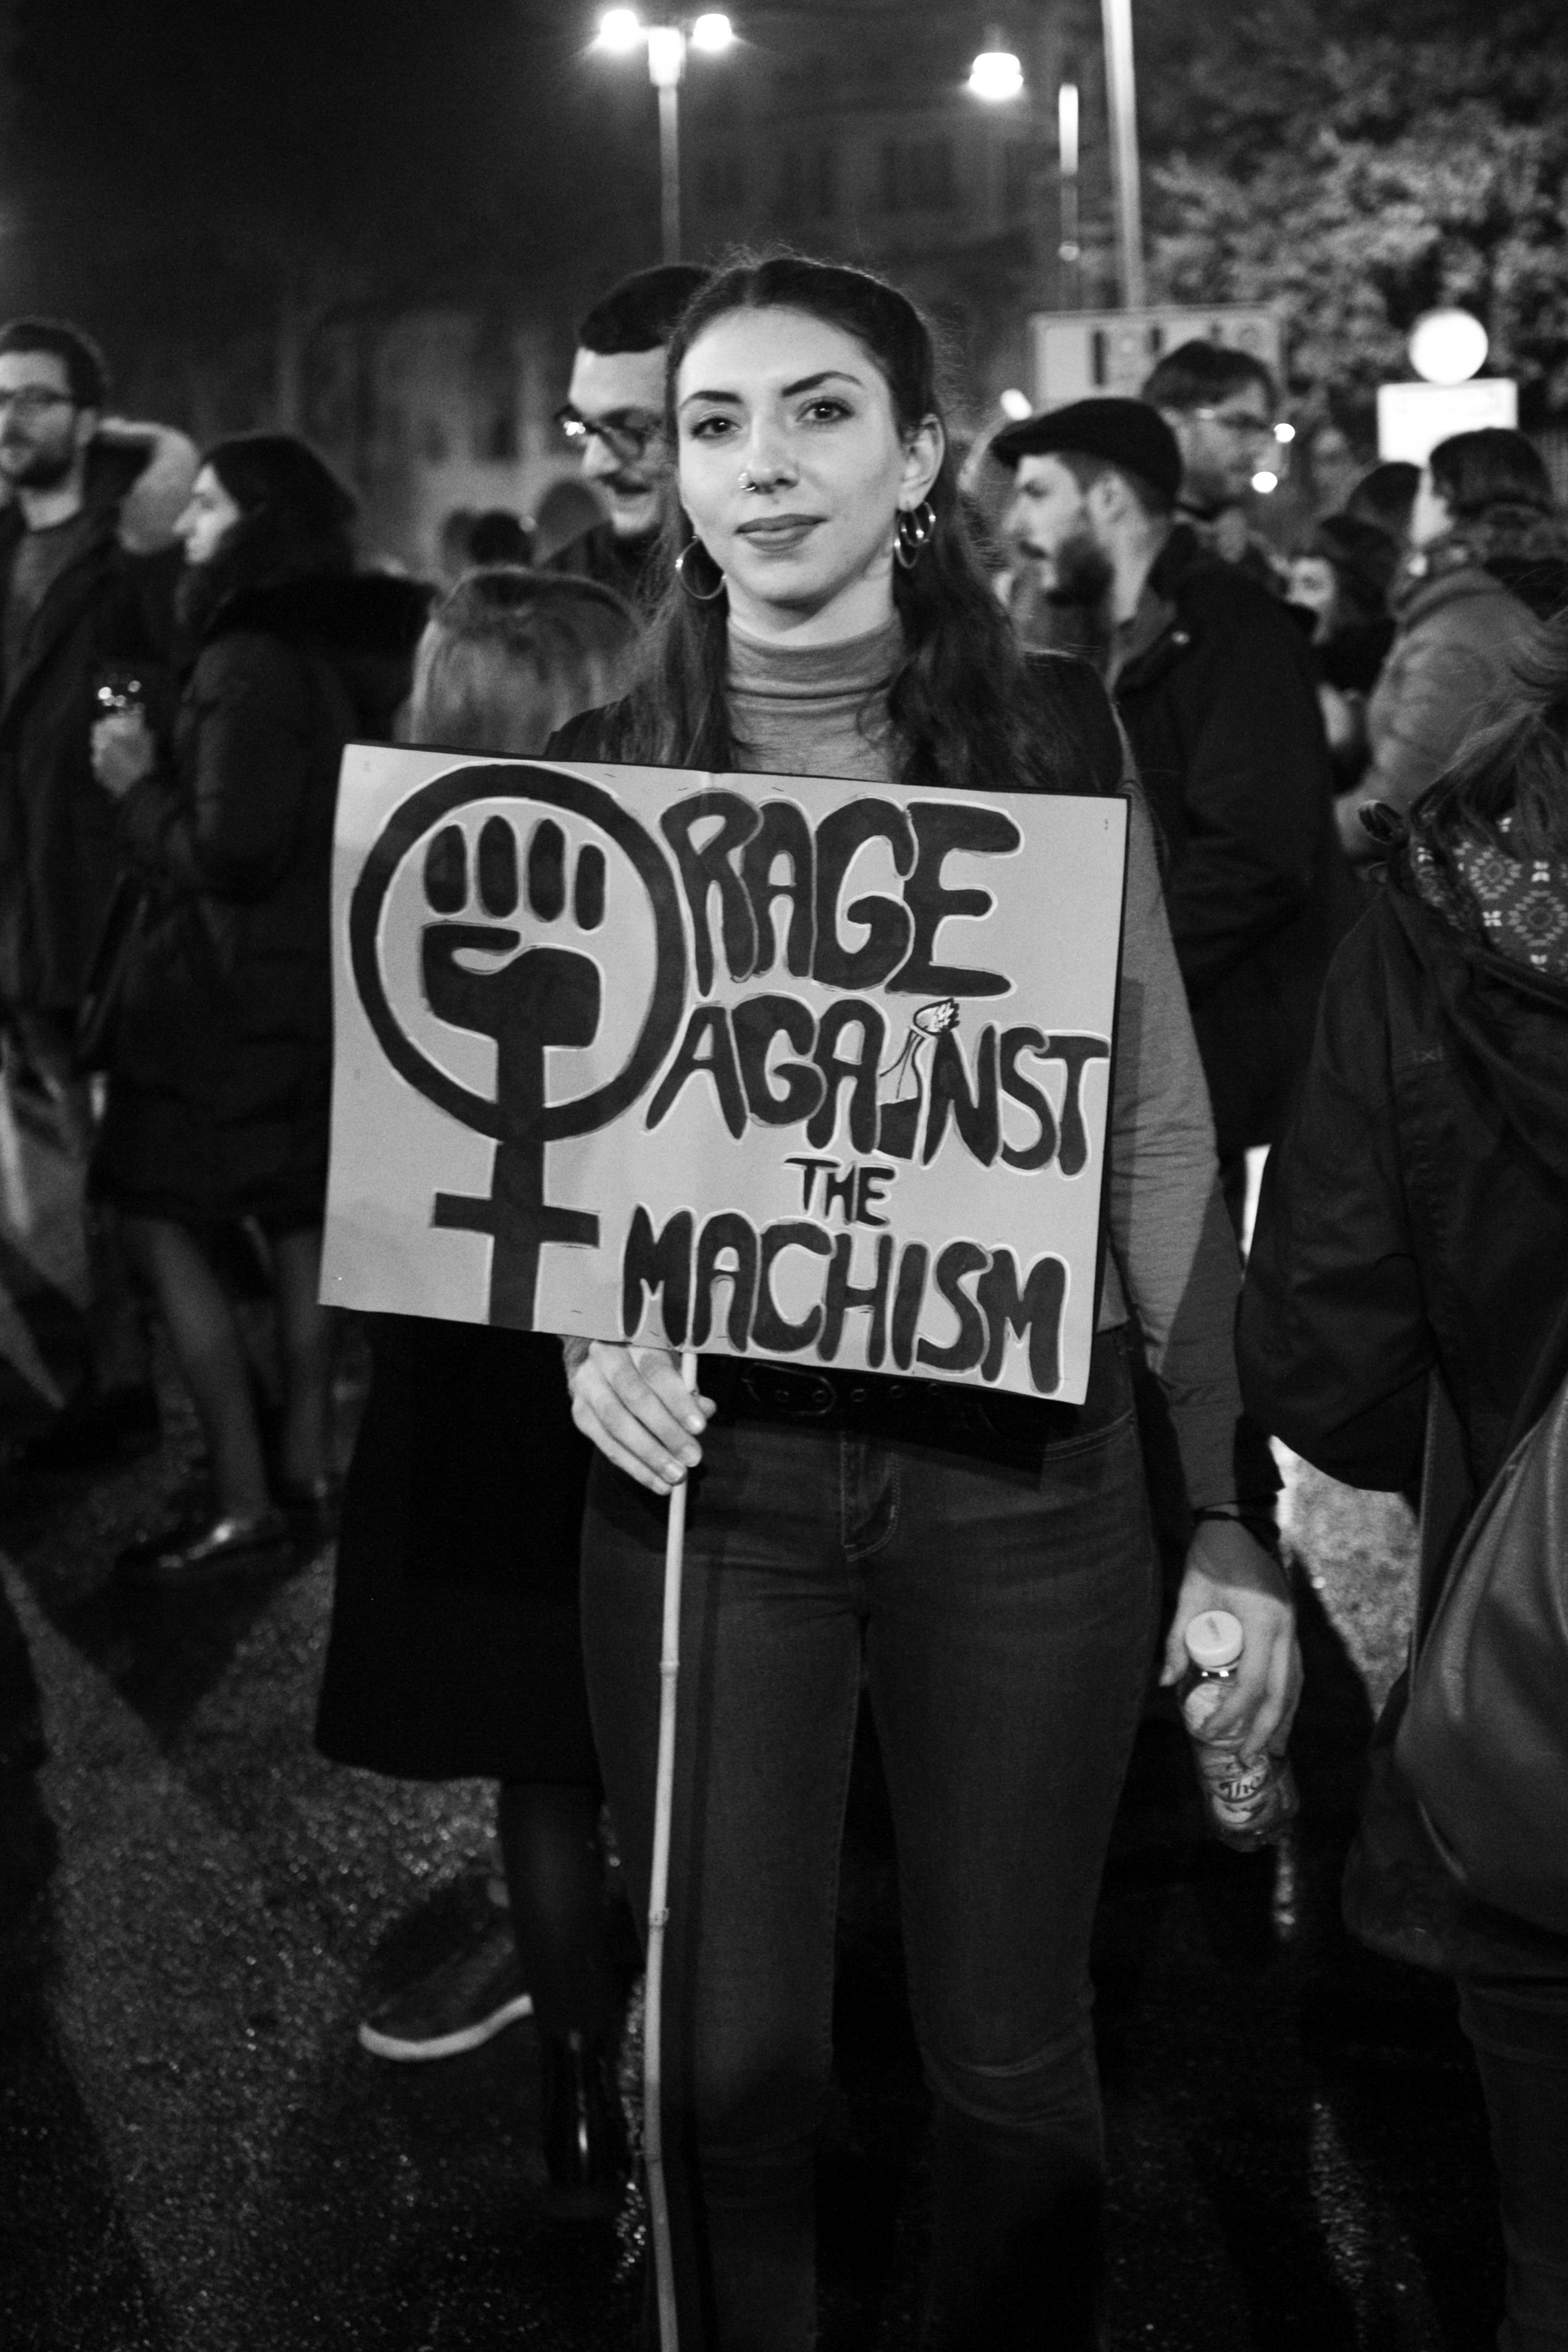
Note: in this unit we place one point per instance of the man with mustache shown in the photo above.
(614, 416)
(1214, 684)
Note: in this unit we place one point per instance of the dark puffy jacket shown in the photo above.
(1416, 1213)
(1217, 693)
(59, 847)
(227, 1005)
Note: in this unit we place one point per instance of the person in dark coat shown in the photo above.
(88, 562)
(1214, 682)
(455, 1649)
(1413, 1223)
(1341, 573)
(613, 417)
(220, 1057)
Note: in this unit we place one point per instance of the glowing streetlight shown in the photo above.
(1447, 346)
(996, 76)
(621, 32)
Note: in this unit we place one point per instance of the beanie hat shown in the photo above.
(1127, 433)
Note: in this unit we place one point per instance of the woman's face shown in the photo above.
(1432, 515)
(209, 516)
(1312, 584)
(792, 471)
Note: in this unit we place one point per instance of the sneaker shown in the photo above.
(465, 2001)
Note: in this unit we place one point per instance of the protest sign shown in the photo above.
(756, 1065)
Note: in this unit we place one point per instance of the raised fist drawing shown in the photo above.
(543, 995)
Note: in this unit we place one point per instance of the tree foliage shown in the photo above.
(1360, 165)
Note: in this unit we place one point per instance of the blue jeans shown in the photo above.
(1001, 1612)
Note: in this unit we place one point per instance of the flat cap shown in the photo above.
(1125, 433)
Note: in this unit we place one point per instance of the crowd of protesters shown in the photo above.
(1346, 942)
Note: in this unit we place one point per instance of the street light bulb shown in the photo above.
(1447, 346)
(1264, 482)
(620, 31)
(1284, 432)
(666, 56)
(996, 75)
(712, 34)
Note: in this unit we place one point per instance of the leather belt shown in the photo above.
(874, 1405)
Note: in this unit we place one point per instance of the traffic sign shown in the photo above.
(1412, 418)
(1080, 353)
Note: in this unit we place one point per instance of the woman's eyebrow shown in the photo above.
(810, 383)
(786, 391)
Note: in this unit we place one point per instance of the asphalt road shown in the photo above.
(196, 2157)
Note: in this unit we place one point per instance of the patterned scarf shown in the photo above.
(1516, 905)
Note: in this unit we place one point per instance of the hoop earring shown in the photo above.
(696, 596)
(913, 534)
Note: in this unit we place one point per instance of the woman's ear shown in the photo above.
(923, 453)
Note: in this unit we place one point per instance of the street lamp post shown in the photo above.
(1070, 251)
(1121, 92)
(622, 31)
(998, 76)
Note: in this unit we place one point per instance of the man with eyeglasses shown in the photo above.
(614, 419)
(1221, 404)
(87, 506)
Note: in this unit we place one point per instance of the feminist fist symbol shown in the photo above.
(545, 996)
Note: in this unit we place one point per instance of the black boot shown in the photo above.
(584, 2146)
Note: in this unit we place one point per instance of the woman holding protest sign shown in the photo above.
(986, 1561)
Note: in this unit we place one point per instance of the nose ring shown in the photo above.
(748, 484)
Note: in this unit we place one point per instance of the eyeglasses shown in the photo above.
(1243, 426)
(33, 399)
(626, 441)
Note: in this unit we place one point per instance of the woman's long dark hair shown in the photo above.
(962, 709)
(1517, 767)
(295, 522)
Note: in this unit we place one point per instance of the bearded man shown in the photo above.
(1212, 681)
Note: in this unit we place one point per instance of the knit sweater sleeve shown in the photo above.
(1170, 1239)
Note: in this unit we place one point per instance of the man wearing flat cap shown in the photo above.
(1212, 682)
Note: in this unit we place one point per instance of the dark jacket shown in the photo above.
(59, 849)
(1070, 699)
(226, 1009)
(1216, 689)
(1416, 1211)
(601, 555)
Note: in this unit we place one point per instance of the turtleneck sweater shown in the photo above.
(820, 711)
(814, 710)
